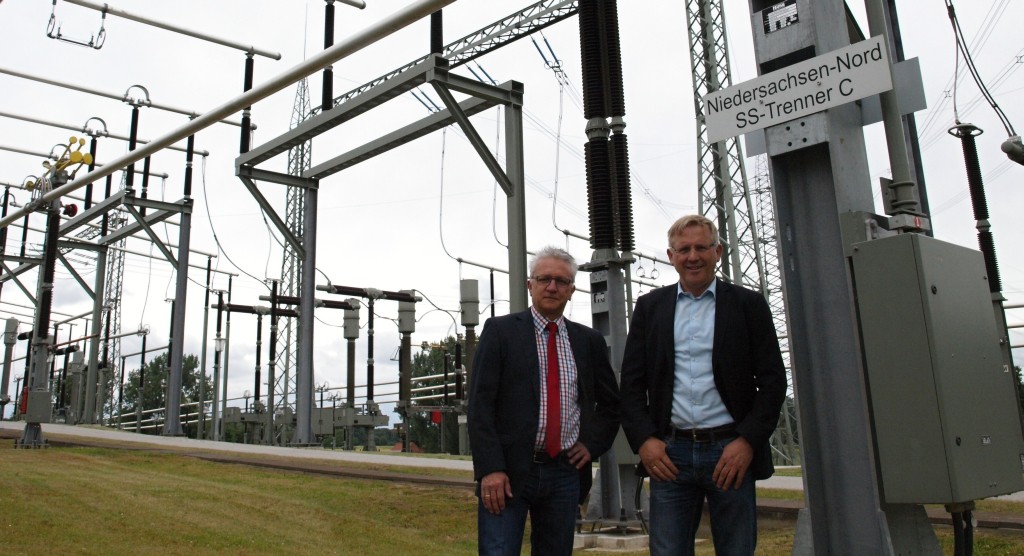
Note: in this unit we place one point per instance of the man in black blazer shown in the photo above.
(530, 456)
(702, 386)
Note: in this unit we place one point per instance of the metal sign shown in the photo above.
(851, 73)
(779, 16)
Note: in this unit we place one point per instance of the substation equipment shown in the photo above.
(902, 372)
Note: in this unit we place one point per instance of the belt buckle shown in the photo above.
(540, 457)
(693, 434)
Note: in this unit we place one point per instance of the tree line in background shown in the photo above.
(425, 427)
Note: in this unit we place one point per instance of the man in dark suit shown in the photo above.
(702, 386)
(543, 404)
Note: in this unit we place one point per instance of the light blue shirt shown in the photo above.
(696, 403)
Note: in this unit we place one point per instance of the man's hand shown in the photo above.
(579, 455)
(657, 462)
(733, 464)
(495, 488)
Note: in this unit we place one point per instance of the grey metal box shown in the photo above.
(944, 407)
(40, 406)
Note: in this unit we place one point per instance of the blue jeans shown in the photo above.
(551, 496)
(676, 506)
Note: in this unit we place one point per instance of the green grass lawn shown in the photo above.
(64, 500)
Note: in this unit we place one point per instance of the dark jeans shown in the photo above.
(551, 496)
(676, 506)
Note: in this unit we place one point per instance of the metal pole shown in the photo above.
(370, 367)
(227, 352)
(304, 360)
(3, 235)
(120, 97)
(10, 338)
(108, 9)
(351, 334)
(903, 184)
(83, 412)
(350, 388)
(371, 442)
(172, 426)
(120, 394)
(218, 342)
(404, 385)
(516, 207)
(92, 144)
(259, 360)
(400, 19)
(202, 353)
(406, 326)
(271, 365)
(142, 386)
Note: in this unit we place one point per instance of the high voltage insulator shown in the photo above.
(436, 33)
(623, 198)
(610, 29)
(599, 198)
(590, 52)
(966, 133)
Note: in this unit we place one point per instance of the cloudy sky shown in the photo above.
(401, 220)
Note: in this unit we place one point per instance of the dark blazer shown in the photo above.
(504, 401)
(746, 361)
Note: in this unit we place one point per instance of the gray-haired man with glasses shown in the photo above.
(543, 404)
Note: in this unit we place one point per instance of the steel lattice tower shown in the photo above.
(299, 160)
(114, 280)
(723, 196)
(749, 237)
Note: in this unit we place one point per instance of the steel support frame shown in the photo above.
(85, 406)
(814, 186)
(435, 71)
(162, 211)
(83, 218)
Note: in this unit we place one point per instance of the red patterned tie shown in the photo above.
(553, 435)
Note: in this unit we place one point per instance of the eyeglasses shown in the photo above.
(699, 249)
(544, 281)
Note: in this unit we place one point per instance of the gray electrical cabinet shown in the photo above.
(943, 404)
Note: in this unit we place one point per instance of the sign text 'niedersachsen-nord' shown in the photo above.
(851, 73)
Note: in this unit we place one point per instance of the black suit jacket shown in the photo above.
(746, 361)
(504, 401)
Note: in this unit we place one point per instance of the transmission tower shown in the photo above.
(299, 160)
(751, 253)
(114, 283)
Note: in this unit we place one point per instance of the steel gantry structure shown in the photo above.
(508, 29)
